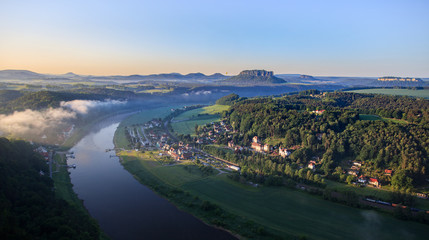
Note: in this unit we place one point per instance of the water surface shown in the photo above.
(124, 208)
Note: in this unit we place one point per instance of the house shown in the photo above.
(284, 152)
(358, 164)
(238, 148)
(362, 179)
(255, 139)
(267, 148)
(185, 155)
(312, 166)
(388, 172)
(318, 112)
(353, 172)
(256, 146)
(374, 182)
(231, 144)
(175, 156)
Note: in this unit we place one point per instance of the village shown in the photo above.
(153, 135)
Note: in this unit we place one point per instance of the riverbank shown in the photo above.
(210, 213)
(61, 175)
(64, 189)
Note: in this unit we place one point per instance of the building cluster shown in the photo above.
(151, 135)
(318, 112)
(237, 148)
(212, 131)
(354, 170)
(179, 152)
(153, 123)
(266, 148)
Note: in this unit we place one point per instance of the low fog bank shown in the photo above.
(52, 125)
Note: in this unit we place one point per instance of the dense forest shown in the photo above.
(29, 208)
(397, 140)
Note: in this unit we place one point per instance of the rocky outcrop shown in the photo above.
(256, 73)
(308, 77)
(254, 77)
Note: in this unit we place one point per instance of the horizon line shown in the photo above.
(225, 74)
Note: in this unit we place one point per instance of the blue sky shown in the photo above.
(343, 38)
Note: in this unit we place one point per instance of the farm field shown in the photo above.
(423, 93)
(211, 110)
(185, 122)
(188, 126)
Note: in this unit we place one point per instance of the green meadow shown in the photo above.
(185, 122)
(423, 93)
(282, 211)
(210, 110)
(368, 117)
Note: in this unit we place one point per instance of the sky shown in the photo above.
(316, 37)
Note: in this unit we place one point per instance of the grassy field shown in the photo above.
(188, 126)
(294, 212)
(273, 141)
(185, 122)
(157, 90)
(424, 93)
(282, 211)
(368, 117)
(174, 175)
(211, 110)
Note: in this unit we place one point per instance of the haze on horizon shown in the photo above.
(333, 37)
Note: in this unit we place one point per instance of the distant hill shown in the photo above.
(20, 74)
(308, 77)
(254, 77)
(166, 77)
(28, 75)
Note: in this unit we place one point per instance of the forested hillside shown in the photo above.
(28, 206)
(334, 138)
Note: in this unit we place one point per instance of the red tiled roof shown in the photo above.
(373, 180)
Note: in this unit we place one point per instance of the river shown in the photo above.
(124, 208)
